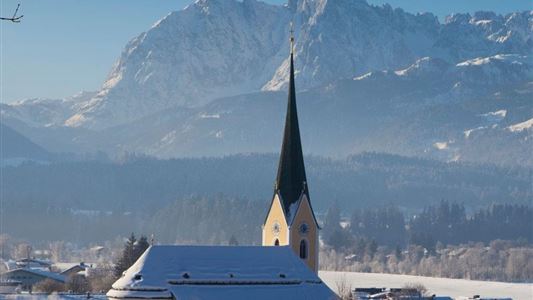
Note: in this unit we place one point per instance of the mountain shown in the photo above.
(43, 112)
(42, 119)
(476, 110)
(208, 81)
(15, 148)
(216, 48)
(210, 48)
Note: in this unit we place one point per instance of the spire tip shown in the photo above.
(292, 37)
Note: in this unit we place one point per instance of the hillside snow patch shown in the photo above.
(521, 126)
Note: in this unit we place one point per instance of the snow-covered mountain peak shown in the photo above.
(526, 125)
(211, 48)
(80, 96)
(215, 48)
(498, 69)
(425, 66)
(45, 112)
(458, 18)
(33, 101)
(514, 59)
(485, 16)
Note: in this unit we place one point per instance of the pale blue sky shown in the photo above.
(65, 46)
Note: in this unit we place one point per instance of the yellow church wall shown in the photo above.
(275, 215)
(305, 215)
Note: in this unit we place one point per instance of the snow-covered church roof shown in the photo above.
(219, 272)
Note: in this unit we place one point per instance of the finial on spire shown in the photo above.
(292, 38)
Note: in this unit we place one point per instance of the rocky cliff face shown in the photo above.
(475, 110)
(206, 80)
(216, 48)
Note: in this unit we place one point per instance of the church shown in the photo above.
(284, 267)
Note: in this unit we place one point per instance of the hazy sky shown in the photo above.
(64, 46)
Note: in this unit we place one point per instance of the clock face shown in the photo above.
(276, 229)
(304, 229)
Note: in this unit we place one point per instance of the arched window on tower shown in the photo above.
(276, 243)
(303, 249)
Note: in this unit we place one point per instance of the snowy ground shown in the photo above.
(51, 297)
(440, 286)
(455, 288)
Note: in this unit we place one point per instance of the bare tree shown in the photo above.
(4, 245)
(49, 286)
(14, 18)
(57, 250)
(22, 250)
(101, 278)
(344, 289)
(415, 286)
(78, 284)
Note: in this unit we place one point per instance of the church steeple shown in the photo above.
(290, 220)
(291, 180)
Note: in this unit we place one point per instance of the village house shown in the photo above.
(25, 273)
(29, 277)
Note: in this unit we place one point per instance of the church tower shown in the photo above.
(290, 220)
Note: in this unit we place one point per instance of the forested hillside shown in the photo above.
(99, 200)
(359, 181)
(443, 240)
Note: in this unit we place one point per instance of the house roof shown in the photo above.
(38, 272)
(10, 264)
(35, 261)
(70, 268)
(220, 272)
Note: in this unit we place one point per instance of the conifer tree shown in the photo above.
(398, 252)
(133, 249)
(140, 246)
(332, 221)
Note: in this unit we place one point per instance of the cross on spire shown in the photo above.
(292, 38)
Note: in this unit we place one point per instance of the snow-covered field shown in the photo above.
(456, 288)
(51, 297)
(440, 286)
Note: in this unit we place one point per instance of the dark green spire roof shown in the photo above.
(291, 180)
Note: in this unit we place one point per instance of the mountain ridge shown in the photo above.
(370, 78)
(217, 48)
(15, 148)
